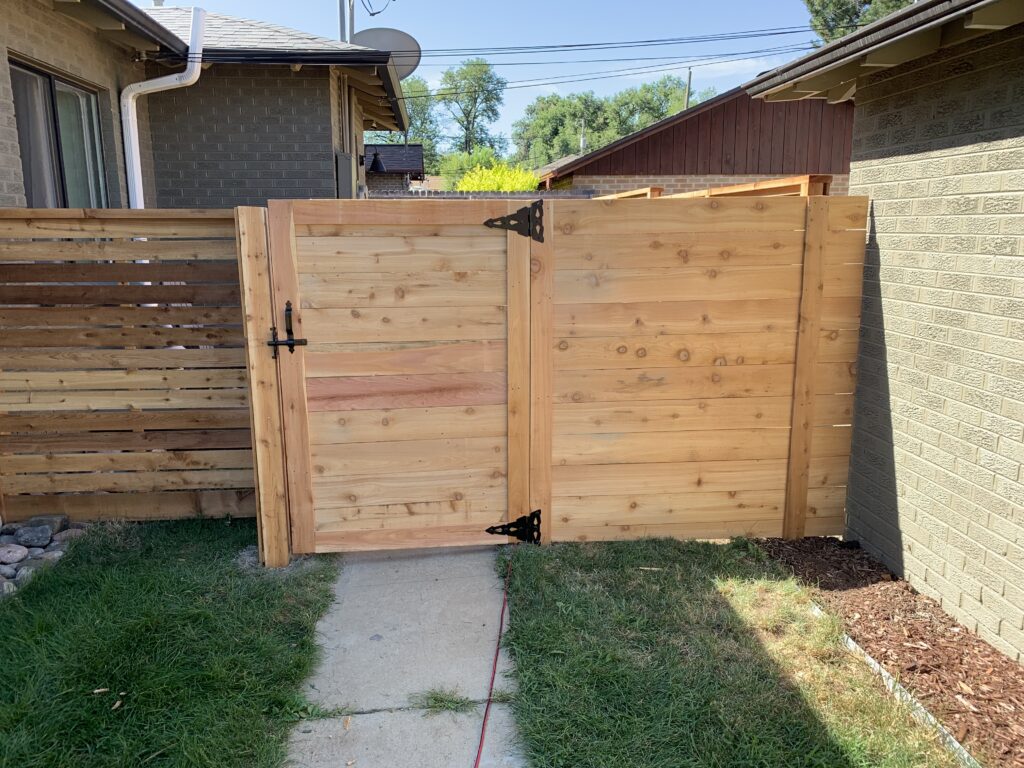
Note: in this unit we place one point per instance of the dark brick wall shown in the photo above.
(936, 486)
(243, 135)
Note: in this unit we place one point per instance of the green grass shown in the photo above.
(665, 654)
(206, 658)
(437, 700)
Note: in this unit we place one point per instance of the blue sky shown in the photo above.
(441, 24)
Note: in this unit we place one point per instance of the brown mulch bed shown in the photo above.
(973, 689)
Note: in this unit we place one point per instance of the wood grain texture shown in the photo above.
(678, 317)
(518, 370)
(389, 424)
(612, 385)
(351, 393)
(671, 351)
(542, 323)
(382, 359)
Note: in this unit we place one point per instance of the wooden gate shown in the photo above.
(402, 426)
(646, 367)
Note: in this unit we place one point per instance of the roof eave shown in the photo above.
(138, 22)
(287, 56)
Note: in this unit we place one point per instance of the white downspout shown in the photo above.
(129, 108)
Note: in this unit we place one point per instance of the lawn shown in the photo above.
(661, 654)
(148, 645)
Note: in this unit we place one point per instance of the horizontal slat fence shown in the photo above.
(123, 388)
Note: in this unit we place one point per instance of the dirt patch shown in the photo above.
(973, 689)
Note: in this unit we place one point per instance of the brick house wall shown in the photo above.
(936, 487)
(607, 185)
(386, 183)
(243, 135)
(31, 32)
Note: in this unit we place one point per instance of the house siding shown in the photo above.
(607, 185)
(245, 134)
(936, 487)
(32, 32)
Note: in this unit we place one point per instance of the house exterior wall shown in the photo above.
(607, 185)
(243, 135)
(936, 487)
(386, 183)
(30, 31)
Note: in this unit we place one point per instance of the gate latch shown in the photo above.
(525, 528)
(289, 341)
(528, 221)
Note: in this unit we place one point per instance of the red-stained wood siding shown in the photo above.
(739, 136)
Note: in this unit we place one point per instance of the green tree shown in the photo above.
(501, 177)
(424, 126)
(472, 95)
(457, 164)
(551, 125)
(833, 19)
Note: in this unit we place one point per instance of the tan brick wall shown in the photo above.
(936, 487)
(607, 185)
(31, 31)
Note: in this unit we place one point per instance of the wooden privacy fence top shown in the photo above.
(124, 391)
(803, 186)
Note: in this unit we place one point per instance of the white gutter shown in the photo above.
(129, 107)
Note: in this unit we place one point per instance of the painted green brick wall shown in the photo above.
(936, 488)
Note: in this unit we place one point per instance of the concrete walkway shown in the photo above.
(404, 623)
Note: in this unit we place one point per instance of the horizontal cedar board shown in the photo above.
(687, 477)
(388, 515)
(358, 228)
(327, 428)
(718, 529)
(74, 317)
(696, 445)
(237, 418)
(123, 461)
(676, 284)
(383, 458)
(682, 249)
(404, 391)
(397, 324)
(844, 247)
(152, 336)
(723, 414)
(376, 359)
(95, 359)
(119, 250)
(400, 254)
(672, 384)
(90, 482)
(183, 225)
(665, 508)
(400, 212)
(82, 400)
(327, 290)
(205, 378)
(835, 346)
(465, 535)
(414, 517)
(647, 217)
(209, 295)
(835, 378)
(162, 440)
(847, 212)
(843, 280)
(825, 526)
(841, 312)
(185, 271)
(829, 471)
(410, 487)
(171, 505)
(116, 214)
(675, 317)
(670, 351)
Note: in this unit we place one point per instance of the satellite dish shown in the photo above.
(404, 49)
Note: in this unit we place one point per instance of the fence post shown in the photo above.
(808, 333)
(264, 396)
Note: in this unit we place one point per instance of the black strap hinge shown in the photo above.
(525, 528)
(528, 221)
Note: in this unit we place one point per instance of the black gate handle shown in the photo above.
(290, 341)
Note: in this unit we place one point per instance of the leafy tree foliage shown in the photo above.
(424, 125)
(833, 19)
(501, 177)
(552, 125)
(472, 94)
(456, 165)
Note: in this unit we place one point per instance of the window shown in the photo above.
(59, 135)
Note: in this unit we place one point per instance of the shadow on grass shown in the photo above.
(630, 654)
(149, 645)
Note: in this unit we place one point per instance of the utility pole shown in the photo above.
(583, 134)
(689, 82)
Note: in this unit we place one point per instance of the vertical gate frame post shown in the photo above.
(264, 395)
(518, 370)
(807, 340)
(542, 284)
